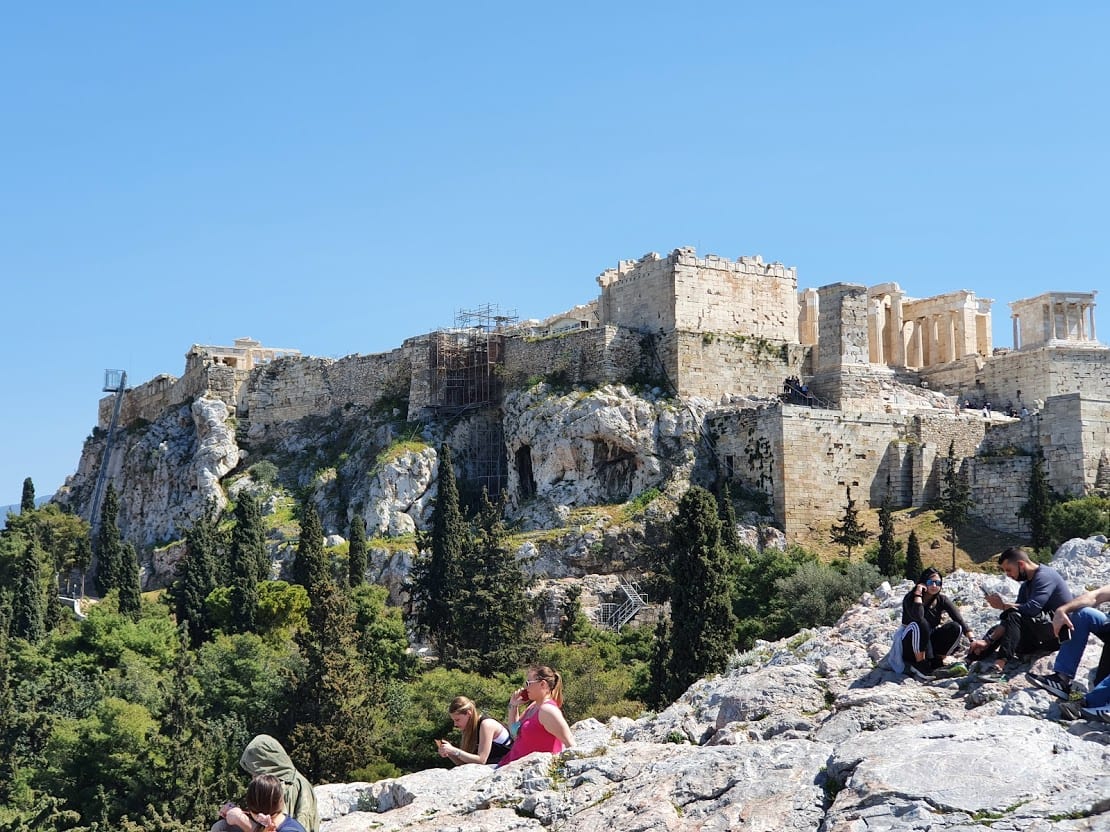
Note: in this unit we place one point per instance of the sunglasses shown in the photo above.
(934, 582)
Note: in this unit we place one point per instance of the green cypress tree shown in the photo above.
(310, 566)
(130, 594)
(333, 699)
(657, 689)
(729, 538)
(914, 566)
(27, 501)
(888, 549)
(82, 558)
(1037, 508)
(248, 537)
(495, 607)
(109, 545)
(185, 787)
(196, 577)
(436, 573)
(29, 603)
(702, 621)
(244, 559)
(356, 553)
(955, 499)
(849, 533)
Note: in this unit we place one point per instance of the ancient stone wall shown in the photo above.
(749, 448)
(710, 294)
(1074, 430)
(289, 389)
(999, 488)
(583, 356)
(151, 399)
(720, 365)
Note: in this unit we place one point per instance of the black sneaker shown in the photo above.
(1071, 711)
(1054, 683)
(1097, 714)
(913, 672)
(992, 673)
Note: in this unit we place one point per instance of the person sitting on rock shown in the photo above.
(925, 641)
(542, 724)
(1026, 625)
(1080, 618)
(265, 755)
(484, 739)
(265, 809)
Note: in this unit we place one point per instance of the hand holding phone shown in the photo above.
(1065, 635)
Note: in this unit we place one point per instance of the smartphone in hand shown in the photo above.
(1065, 635)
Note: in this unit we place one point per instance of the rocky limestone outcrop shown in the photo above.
(602, 446)
(165, 472)
(401, 494)
(801, 734)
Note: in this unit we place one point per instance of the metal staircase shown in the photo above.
(615, 616)
(112, 384)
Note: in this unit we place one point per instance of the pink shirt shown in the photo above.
(533, 736)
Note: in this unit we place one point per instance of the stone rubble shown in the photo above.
(801, 734)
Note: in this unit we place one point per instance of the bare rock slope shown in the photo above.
(802, 734)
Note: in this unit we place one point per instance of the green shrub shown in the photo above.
(1078, 518)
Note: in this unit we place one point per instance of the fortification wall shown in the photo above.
(151, 399)
(999, 488)
(720, 365)
(289, 389)
(583, 356)
(1074, 429)
(749, 448)
(710, 294)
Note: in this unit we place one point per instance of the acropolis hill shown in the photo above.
(708, 343)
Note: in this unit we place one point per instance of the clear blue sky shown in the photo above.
(334, 177)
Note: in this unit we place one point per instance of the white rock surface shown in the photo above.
(802, 734)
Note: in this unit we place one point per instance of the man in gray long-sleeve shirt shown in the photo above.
(1026, 626)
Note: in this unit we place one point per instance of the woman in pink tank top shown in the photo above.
(536, 709)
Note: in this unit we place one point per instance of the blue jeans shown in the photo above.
(1085, 621)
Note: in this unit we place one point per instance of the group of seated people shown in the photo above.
(1046, 616)
(280, 799)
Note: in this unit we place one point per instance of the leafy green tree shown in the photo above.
(888, 548)
(1082, 518)
(849, 532)
(247, 681)
(29, 604)
(109, 545)
(702, 621)
(82, 558)
(1037, 508)
(754, 593)
(955, 499)
(130, 594)
(816, 595)
(436, 578)
(310, 566)
(27, 500)
(196, 577)
(573, 624)
(914, 566)
(656, 695)
(356, 552)
(381, 639)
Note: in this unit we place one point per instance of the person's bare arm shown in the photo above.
(553, 720)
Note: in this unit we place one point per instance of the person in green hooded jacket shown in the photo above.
(264, 755)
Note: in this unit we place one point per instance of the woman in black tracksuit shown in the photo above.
(925, 641)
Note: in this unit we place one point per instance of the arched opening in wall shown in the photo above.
(524, 472)
(614, 468)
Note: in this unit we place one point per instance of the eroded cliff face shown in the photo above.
(806, 733)
(165, 471)
(562, 451)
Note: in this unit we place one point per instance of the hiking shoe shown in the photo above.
(1097, 714)
(1054, 683)
(1070, 711)
(991, 673)
(914, 673)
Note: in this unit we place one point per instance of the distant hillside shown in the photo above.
(14, 509)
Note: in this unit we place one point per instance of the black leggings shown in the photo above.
(1022, 635)
(935, 644)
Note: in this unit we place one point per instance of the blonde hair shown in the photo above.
(461, 704)
(553, 679)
